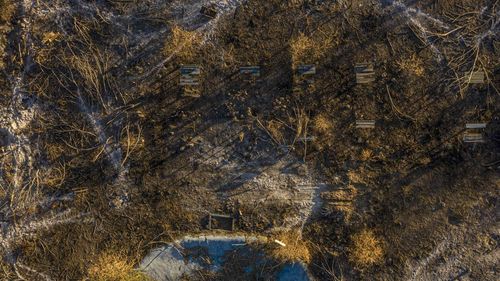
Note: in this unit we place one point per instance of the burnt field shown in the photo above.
(359, 139)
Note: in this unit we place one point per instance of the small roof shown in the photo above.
(476, 77)
(365, 124)
(363, 67)
(473, 138)
(364, 73)
(306, 69)
(190, 69)
(252, 70)
(475, 125)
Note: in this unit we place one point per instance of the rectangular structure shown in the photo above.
(473, 137)
(364, 73)
(473, 132)
(475, 125)
(305, 73)
(220, 221)
(476, 77)
(209, 11)
(365, 124)
(190, 75)
(250, 72)
(306, 70)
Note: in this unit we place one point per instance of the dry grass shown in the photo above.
(131, 141)
(366, 249)
(355, 177)
(302, 48)
(91, 71)
(294, 4)
(44, 54)
(347, 211)
(340, 202)
(413, 65)
(54, 151)
(348, 194)
(301, 122)
(308, 50)
(50, 37)
(11, 175)
(366, 154)
(275, 128)
(295, 250)
(6, 271)
(112, 266)
(228, 56)
(183, 44)
(7, 9)
(52, 177)
(322, 124)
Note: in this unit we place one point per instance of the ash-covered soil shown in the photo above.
(103, 155)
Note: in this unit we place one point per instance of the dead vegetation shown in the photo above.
(366, 249)
(183, 44)
(412, 65)
(339, 204)
(294, 249)
(112, 131)
(323, 124)
(275, 129)
(7, 9)
(308, 49)
(113, 266)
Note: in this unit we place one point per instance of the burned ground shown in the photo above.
(102, 153)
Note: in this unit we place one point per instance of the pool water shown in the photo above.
(217, 254)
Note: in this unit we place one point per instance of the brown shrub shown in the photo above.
(322, 124)
(301, 122)
(355, 176)
(112, 266)
(413, 65)
(295, 250)
(54, 151)
(50, 37)
(7, 8)
(275, 128)
(45, 53)
(366, 249)
(302, 48)
(132, 141)
(307, 50)
(183, 44)
(53, 176)
(366, 154)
